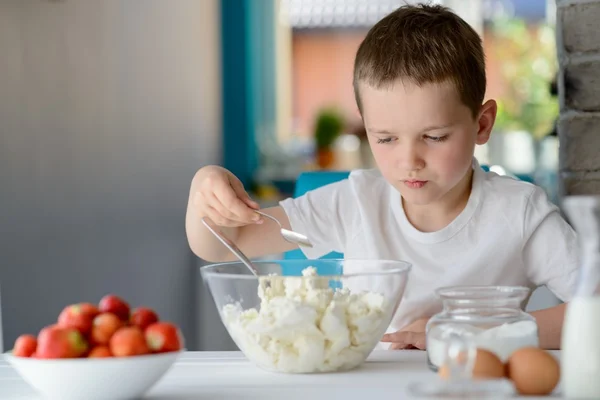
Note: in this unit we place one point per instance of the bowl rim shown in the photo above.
(8, 355)
(403, 267)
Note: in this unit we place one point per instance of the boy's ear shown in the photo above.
(487, 117)
(358, 114)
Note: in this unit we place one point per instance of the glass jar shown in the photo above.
(490, 317)
(459, 382)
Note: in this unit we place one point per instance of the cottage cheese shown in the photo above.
(305, 326)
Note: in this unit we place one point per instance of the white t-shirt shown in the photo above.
(508, 234)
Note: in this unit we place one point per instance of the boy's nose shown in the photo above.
(409, 159)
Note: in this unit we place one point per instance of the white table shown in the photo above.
(228, 375)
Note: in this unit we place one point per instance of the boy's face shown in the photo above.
(423, 138)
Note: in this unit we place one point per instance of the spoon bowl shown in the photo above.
(290, 236)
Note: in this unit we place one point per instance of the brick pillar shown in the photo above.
(578, 44)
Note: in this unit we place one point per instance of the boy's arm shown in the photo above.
(550, 251)
(328, 216)
(255, 240)
(550, 322)
(215, 187)
(259, 240)
(551, 256)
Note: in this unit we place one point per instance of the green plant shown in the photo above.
(528, 64)
(328, 126)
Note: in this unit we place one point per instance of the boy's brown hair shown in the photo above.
(423, 44)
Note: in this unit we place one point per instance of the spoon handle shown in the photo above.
(229, 244)
(269, 216)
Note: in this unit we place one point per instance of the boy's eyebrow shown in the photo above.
(435, 127)
(426, 129)
(380, 131)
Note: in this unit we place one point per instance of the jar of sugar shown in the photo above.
(491, 317)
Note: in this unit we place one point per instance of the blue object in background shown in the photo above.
(521, 177)
(308, 181)
(315, 179)
(248, 79)
(293, 267)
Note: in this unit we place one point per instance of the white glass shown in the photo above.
(580, 365)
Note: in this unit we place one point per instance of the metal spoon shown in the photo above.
(229, 244)
(290, 236)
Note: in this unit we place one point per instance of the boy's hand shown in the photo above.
(221, 197)
(409, 337)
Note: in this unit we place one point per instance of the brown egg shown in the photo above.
(533, 371)
(487, 366)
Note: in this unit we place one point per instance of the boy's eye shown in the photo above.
(437, 138)
(384, 140)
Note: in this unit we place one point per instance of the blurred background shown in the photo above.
(316, 125)
(108, 108)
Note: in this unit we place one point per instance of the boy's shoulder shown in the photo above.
(506, 183)
(360, 175)
(512, 192)
(370, 180)
(361, 185)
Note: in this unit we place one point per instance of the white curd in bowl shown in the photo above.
(305, 326)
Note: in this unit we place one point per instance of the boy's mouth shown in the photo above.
(414, 184)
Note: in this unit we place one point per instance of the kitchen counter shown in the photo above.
(229, 375)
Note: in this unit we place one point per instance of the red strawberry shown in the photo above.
(100, 352)
(58, 342)
(76, 316)
(103, 327)
(89, 309)
(142, 317)
(128, 341)
(116, 305)
(163, 337)
(25, 346)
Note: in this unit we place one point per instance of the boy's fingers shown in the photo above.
(197, 199)
(218, 219)
(403, 340)
(419, 341)
(393, 337)
(241, 193)
(233, 207)
(219, 207)
(399, 346)
(251, 203)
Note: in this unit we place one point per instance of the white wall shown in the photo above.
(107, 108)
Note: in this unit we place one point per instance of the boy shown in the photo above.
(419, 81)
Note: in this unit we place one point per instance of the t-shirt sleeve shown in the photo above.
(327, 215)
(550, 252)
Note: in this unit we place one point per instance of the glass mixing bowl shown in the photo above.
(307, 316)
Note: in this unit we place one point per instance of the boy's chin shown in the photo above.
(417, 199)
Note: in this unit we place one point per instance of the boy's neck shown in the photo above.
(436, 216)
